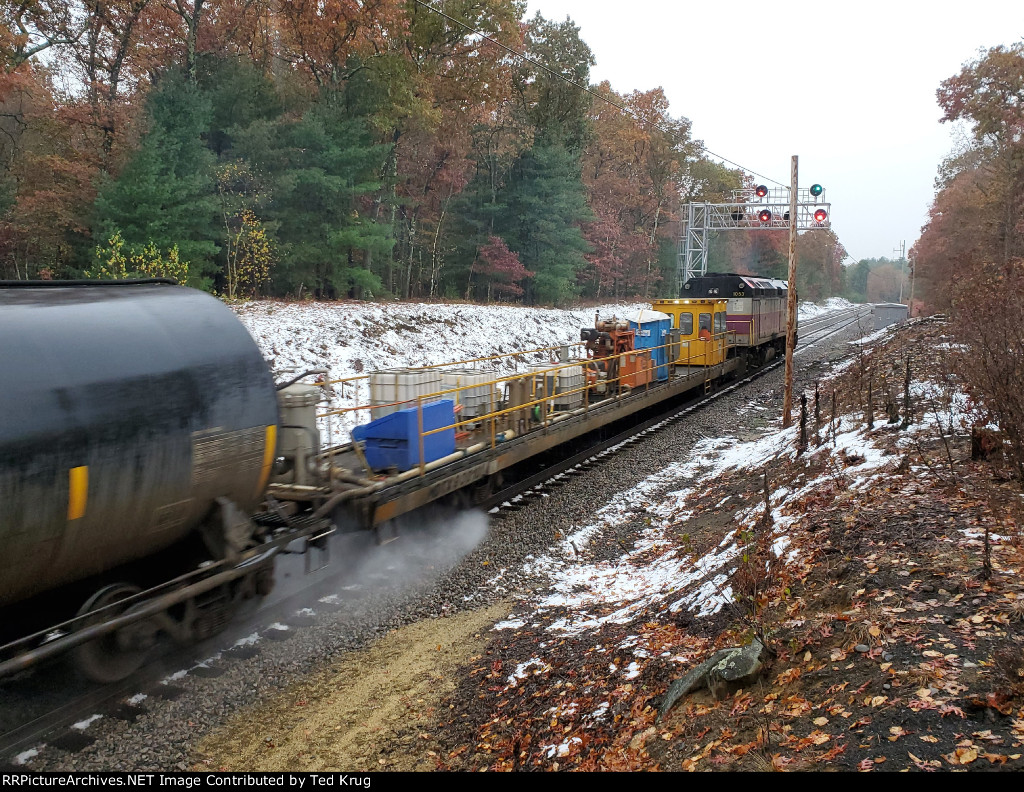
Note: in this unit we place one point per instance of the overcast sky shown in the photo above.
(849, 87)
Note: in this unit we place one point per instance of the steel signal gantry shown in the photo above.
(755, 208)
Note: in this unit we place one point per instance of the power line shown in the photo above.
(588, 89)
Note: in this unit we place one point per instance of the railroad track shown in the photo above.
(57, 713)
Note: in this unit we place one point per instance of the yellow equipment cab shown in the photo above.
(700, 326)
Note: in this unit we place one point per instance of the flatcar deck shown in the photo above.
(399, 494)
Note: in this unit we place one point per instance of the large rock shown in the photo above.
(728, 668)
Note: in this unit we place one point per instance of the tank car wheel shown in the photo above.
(118, 654)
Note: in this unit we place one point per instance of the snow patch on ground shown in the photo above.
(562, 749)
(523, 670)
(82, 725)
(808, 310)
(25, 756)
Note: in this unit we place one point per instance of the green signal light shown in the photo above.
(816, 190)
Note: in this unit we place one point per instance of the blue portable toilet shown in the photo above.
(651, 328)
(393, 441)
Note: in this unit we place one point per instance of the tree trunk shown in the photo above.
(650, 261)
(435, 259)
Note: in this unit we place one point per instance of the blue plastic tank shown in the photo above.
(392, 441)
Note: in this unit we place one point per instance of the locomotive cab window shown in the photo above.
(705, 322)
(686, 323)
(719, 323)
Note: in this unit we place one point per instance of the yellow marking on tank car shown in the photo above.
(270, 445)
(78, 491)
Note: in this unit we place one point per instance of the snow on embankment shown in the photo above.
(808, 310)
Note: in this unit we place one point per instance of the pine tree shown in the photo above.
(165, 196)
(546, 203)
(321, 170)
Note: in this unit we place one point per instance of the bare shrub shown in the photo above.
(990, 317)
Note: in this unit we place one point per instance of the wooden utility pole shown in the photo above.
(910, 302)
(902, 250)
(787, 401)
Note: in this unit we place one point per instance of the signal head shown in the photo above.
(816, 190)
(761, 191)
(764, 216)
(820, 215)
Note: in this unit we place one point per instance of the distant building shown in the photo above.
(886, 314)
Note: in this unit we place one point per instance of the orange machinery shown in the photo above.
(616, 364)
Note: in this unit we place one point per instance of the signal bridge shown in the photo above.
(755, 208)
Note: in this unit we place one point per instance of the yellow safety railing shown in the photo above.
(698, 359)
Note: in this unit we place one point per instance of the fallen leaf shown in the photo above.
(820, 721)
(779, 761)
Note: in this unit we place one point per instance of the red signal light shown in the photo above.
(761, 191)
(764, 216)
(820, 215)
